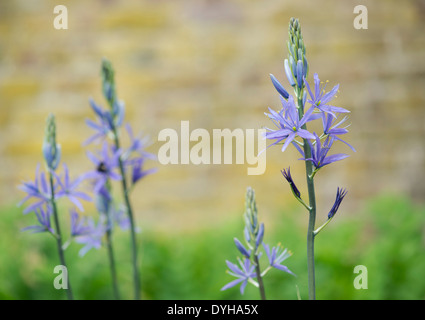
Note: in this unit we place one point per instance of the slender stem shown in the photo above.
(112, 263)
(58, 235)
(259, 278)
(316, 232)
(136, 278)
(312, 209)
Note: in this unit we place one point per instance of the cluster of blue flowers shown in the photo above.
(110, 163)
(105, 169)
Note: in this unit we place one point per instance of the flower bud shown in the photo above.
(279, 87)
(288, 73)
(287, 175)
(51, 150)
(340, 194)
(108, 82)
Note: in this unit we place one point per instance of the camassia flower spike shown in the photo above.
(309, 102)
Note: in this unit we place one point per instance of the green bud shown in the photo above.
(108, 82)
(51, 150)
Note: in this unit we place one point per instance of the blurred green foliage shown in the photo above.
(387, 238)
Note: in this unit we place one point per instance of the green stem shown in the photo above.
(136, 278)
(259, 278)
(112, 263)
(316, 232)
(58, 234)
(312, 209)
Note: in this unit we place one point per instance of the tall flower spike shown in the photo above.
(51, 150)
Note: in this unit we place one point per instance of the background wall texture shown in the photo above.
(209, 62)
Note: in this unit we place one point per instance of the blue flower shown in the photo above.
(69, 189)
(333, 130)
(93, 238)
(106, 207)
(102, 127)
(340, 194)
(276, 257)
(105, 167)
(320, 98)
(288, 123)
(319, 154)
(121, 218)
(107, 121)
(43, 217)
(79, 225)
(39, 190)
(244, 273)
(137, 170)
(137, 144)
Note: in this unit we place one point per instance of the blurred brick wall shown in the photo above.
(208, 62)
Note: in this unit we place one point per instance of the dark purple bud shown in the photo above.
(340, 194)
(288, 177)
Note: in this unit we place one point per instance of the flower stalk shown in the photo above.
(110, 95)
(259, 278)
(299, 68)
(59, 235)
(51, 155)
(312, 204)
(111, 259)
